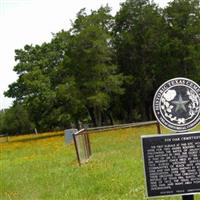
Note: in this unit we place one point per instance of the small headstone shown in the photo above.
(69, 135)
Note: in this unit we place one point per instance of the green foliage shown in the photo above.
(138, 34)
(91, 55)
(16, 121)
(106, 69)
(183, 45)
(2, 114)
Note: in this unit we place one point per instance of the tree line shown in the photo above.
(105, 69)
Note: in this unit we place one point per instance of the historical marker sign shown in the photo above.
(177, 104)
(172, 164)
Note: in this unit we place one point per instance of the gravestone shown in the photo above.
(69, 135)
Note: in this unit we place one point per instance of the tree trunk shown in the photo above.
(92, 115)
(110, 118)
(143, 111)
(77, 124)
(97, 114)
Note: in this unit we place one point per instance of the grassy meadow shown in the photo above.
(45, 168)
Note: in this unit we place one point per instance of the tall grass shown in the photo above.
(46, 169)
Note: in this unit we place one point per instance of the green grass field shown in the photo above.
(46, 168)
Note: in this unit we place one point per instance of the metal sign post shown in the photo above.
(188, 197)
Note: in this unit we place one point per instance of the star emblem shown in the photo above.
(180, 104)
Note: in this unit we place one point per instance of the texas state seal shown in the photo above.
(176, 104)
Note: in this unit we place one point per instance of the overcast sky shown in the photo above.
(32, 22)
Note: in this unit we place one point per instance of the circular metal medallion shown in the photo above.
(176, 104)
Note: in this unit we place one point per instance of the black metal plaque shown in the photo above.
(172, 164)
(177, 104)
